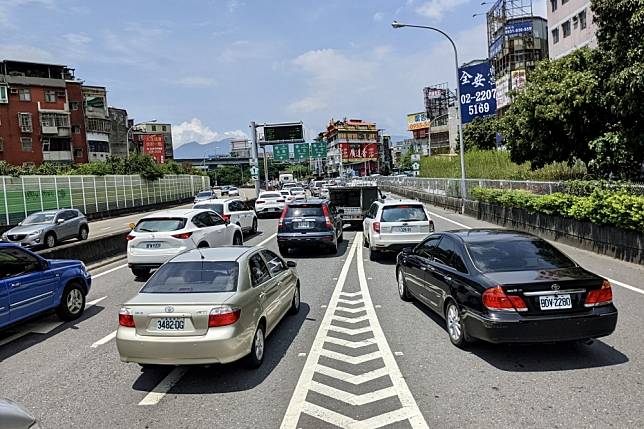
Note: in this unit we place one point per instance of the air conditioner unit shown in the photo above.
(14, 90)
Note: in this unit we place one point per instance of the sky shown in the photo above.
(210, 67)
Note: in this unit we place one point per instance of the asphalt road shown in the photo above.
(355, 356)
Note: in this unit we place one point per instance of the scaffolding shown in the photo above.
(438, 98)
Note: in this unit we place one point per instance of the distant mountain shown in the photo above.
(194, 150)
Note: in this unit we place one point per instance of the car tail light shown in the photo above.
(260, 202)
(280, 224)
(327, 216)
(225, 217)
(130, 237)
(495, 299)
(223, 316)
(126, 318)
(183, 235)
(376, 227)
(597, 297)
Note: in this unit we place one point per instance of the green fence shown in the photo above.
(21, 196)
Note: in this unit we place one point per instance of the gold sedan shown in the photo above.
(208, 306)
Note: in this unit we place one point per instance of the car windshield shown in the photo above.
(403, 213)
(194, 277)
(297, 190)
(39, 218)
(204, 194)
(160, 225)
(305, 211)
(272, 195)
(516, 255)
(219, 208)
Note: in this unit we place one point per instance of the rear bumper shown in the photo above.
(306, 240)
(396, 243)
(269, 209)
(514, 328)
(152, 258)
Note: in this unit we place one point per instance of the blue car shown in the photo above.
(30, 284)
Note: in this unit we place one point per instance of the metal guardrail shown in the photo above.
(21, 196)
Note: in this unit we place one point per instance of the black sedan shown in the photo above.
(505, 286)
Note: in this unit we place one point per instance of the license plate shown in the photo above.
(555, 302)
(304, 225)
(404, 229)
(171, 324)
(152, 245)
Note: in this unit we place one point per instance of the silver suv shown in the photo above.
(49, 228)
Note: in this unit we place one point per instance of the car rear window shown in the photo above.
(517, 255)
(273, 195)
(160, 224)
(219, 208)
(403, 213)
(204, 194)
(305, 211)
(194, 277)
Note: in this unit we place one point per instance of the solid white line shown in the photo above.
(267, 240)
(164, 386)
(109, 337)
(624, 285)
(449, 220)
(95, 276)
(96, 301)
(298, 399)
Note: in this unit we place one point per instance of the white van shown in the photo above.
(286, 178)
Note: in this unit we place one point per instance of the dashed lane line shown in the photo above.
(267, 239)
(104, 273)
(106, 339)
(164, 386)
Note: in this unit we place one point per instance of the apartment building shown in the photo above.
(571, 26)
(353, 145)
(155, 128)
(119, 133)
(97, 122)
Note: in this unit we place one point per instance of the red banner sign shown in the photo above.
(154, 145)
(356, 152)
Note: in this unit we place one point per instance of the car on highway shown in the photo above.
(315, 187)
(233, 210)
(504, 286)
(233, 192)
(30, 284)
(289, 185)
(49, 228)
(271, 202)
(204, 196)
(209, 306)
(159, 237)
(391, 225)
(13, 416)
(225, 189)
(297, 192)
(309, 223)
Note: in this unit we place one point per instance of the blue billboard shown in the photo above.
(519, 28)
(478, 91)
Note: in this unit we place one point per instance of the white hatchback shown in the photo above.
(233, 210)
(269, 202)
(159, 237)
(392, 225)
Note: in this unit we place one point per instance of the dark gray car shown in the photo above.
(14, 417)
(49, 228)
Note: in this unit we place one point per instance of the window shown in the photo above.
(583, 23)
(428, 248)
(154, 127)
(217, 208)
(24, 119)
(50, 96)
(3, 94)
(194, 277)
(563, 2)
(403, 213)
(555, 36)
(16, 262)
(517, 255)
(1, 144)
(78, 153)
(76, 129)
(98, 146)
(164, 128)
(203, 220)
(27, 144)
(74, 105)
(236, 206)
(216, 219)
(160, 225)
(24, 94)
(275, 264)
(553, 5)
(565, 28)
(258, 271)
(448, 254)
(54, 120)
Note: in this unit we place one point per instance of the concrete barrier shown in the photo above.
(92, 249)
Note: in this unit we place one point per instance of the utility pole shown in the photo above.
(254, 160)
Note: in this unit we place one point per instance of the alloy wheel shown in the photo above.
(51, 241)
(454, 323)
(259, 344)
(74, 301)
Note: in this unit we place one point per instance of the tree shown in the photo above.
(405, 160)
(481, 134)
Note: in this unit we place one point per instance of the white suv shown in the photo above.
(392, 225)
(159, 237)
(234, 211)
(270, 202)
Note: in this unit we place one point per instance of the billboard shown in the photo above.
(520, 28)
(437, 99)
(357, 152)
(478, 91)
(154, 145)
(518, 79)
(417, 121)
(503, 91)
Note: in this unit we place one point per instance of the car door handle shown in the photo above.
(448, 279)
(423, 268)
(16, 284)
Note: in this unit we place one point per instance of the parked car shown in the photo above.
(505, 286)
(213, 306)
(391, 225)
(309, 223)
(49, 228)
(30, 284)
(269, 203)
(159, 237)
(233, 210)
(204, 196)
(13, 416)
(233, 192)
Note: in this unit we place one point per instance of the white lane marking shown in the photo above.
(351, 398)
(354, 360)
(105, 229)
(449, 220)
(624, 285)
(346, 422)
(164, 386)
(301, 354)
(95, 276)
(109, 337)
(96, 301)
(398, 354)
(350, 331)
(267, 240)
(350, 344)
(298, 399)
(350, 378)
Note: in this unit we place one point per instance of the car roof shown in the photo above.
(391, 202)
(174, 213)
(307, 201)
(490, 234)
(223, 253)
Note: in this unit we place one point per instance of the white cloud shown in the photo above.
(436, 9)
(25, 53)
(77, 38)
(197, 82)
(378, 16)
(196, 131)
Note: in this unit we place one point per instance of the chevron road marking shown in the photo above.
(347, 422)
(350, 344)
(350, 320)
(351, 294)
(350, 398)
(350, 310)
(354, 360)
(350, 301)
(350, 378)
(349, 331)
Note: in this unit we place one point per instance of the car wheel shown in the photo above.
(237, 239)
(455, 327)
(256, 356)
(365, 243)
(50, 240)
(432, 228)
(341, 237)
(283, 249)
(253, 230)
(72, 303)
(83, 233)
(203, 245)
(141, 272)
(333, 248)
(402, 287)
(374, 255)
(295, 303)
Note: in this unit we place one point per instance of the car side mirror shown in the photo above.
(291, 264)
(19, 223)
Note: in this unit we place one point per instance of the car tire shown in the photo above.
(141, 273)
(83, 233)
(72, 302)
(256, 356)
(365, 243)
(253, 229)
(333, 248)
(50, 240)
(295, 302)
(238, 240)
(455, 327)
(403, 292)
(283, 249)
(432, 228)
(374, 254)
(341, 237)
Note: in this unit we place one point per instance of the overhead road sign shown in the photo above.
(301, 151)
(281, 152)
(283, 133)
(318, 150)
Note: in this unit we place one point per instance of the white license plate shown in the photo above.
(404, 229)
(152, 245)
(304, 225)
(171, 324)
(555, 302)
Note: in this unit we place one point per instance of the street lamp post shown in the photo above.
(127, 135)
(397, 24)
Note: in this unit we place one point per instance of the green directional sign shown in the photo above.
(318, 150)
(280, 152)
(301, 151)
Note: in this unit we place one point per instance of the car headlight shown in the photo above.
(4, 236)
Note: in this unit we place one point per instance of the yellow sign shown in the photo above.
(417, 121)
